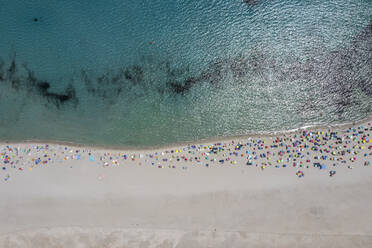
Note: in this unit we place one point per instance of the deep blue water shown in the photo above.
(143, 73)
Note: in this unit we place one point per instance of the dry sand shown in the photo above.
(105, 200)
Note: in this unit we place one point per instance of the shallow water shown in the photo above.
(144, 73)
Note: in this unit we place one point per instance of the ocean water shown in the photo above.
(148, 73)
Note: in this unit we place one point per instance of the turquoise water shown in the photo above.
(144, 73)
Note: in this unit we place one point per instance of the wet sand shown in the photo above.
(248, 192)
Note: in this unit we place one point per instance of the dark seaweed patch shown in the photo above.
(35, 86)
(42, 87)
(250, 2)
(58, 99)
(181, 88)
(337, 74)
(12, 70)
(238, 67)
(1, 71)
(134, 74)
(343, 71)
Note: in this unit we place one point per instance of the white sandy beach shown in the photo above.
(113, 198)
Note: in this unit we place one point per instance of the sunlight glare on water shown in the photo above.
(145, 73)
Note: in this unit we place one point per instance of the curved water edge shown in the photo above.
(257, 71)
(340, 127)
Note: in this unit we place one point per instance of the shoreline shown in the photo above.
(262, 134)
(223, 192)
